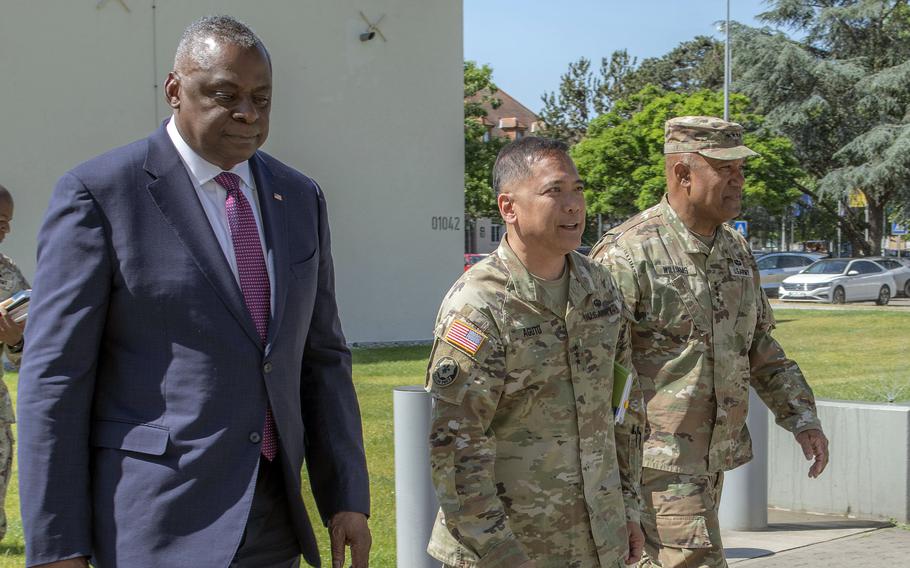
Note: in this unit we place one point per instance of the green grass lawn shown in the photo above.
(849, 355)
(856, 354)
(376, 373)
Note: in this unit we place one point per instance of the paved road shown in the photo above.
(884, 547)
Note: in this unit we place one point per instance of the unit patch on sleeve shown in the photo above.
(446, 372)
(465, 336)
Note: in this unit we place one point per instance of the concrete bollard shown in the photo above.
(744, 501)
(415, 498)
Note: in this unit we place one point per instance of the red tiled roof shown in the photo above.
(511, 115)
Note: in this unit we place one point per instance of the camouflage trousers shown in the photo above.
(680, 520)
(6, 469)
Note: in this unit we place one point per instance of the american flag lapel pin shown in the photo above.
(278, 196)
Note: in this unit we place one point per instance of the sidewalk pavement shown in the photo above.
(797, 540)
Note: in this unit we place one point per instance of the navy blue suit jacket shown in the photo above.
(144, 384)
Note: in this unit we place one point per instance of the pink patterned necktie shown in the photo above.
(254, 278)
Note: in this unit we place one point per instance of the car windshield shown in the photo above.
(827, 267)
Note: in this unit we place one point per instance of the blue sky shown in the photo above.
(530, 43)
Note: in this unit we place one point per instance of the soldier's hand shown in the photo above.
(10, 331)
(350, 529)
(636, 543)
(815, 445)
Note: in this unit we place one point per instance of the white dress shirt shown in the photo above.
(212, 197)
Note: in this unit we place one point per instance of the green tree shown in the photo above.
(621, 158)
(841, 94)
(691, 66)
(584, 94)
(479, 156)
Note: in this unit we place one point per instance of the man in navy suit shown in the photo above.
(185, 355)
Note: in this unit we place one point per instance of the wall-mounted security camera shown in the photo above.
(372, 28)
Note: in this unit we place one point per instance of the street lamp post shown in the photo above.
(745, 503)
(727, 74)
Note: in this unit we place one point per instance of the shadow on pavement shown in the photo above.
(732, 553)
(827, 525)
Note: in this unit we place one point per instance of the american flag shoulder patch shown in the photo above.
(465, 336)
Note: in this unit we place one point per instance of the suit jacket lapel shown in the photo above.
(173, 192)
(274, 224)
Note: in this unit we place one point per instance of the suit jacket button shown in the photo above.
(267, 367)
(255, 437)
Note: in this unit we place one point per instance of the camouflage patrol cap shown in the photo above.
(706, 135)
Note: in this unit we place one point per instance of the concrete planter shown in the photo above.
(869, 473)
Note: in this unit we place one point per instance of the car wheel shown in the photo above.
(884, 296)
(839, 296)
(907, 289)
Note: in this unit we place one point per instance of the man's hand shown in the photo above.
(81, 562)
(10, 331)
(350, 529)
(814, 445)
(636, 543)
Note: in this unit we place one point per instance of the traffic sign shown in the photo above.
(898, 229)
(857, 199)
(742, 227)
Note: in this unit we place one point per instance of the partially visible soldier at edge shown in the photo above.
(527, 466)
(11, 343)
(701, 336)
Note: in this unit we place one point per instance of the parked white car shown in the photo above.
(839, 280)
(775, 266)
(900, 269)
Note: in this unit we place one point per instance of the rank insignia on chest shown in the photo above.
(445, 372)
(465, 336)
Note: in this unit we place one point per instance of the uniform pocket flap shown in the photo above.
(142, 438)
(683, 531)
(303, 269)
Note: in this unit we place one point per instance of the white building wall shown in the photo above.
(487, 234)
(378, 124)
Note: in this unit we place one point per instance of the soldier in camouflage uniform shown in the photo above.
(527, 465)
(11, 281)
(701, 336)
